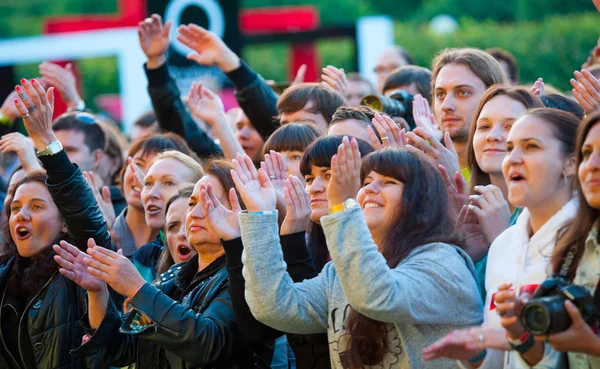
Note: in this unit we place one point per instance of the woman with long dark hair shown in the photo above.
(393, 263)
(40, 308)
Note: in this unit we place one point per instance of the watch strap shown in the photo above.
(52, 149)
(523, 344)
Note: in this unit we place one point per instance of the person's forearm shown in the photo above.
(227, 140)
(97, 306)
(535, 354)
(229, 61)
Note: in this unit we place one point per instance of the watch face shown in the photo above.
(349, 203)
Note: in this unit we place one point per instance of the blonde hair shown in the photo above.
(482, 64)
(184, 159)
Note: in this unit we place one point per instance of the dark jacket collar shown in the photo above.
(189, 271)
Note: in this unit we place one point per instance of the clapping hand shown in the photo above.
(113, 268)
(491, 209)
(457, 188)
(475, 246)
(436, 153)
(424, 118)
(586, 89)
(389, 131)
(63, 79)
(275, 169)
(206, 105)
(23, 147)
(345, 173)
(297, 216)
(254, 186)
(154, 40)
(538, 88)
(466, 344)
(508, 306)
(36, 107)
(72, 266)
(335, 79)
(224, 222)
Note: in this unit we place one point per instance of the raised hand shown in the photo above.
(389, 131)
(63, 79)
(468, 224)
(36, 107)
(457, 188)
(508, 306)
(72, 266)
(435, 152)
(466, 344)
(224, 222)
(297, 203)
(23, 147)
(424, 118)
(491, 209)
(335, 79)
(594, 57)
(299, 75)
(103, 199)
(345, 173)
(8, 108)
(254, 186)
(586, 89)
(139, 173)
(114, 269)
(275, 169)
(206, 105)
(208, 48)
(538, 88)
(154, 40)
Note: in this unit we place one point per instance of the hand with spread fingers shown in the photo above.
(435, 152)
(579, 337)
(115, 269)
(208, 48)
(224, 222)
(335, 79)
(297, 203)
(254, 186)
(586, 90)
(103, 198)
(538, 88)
(274, 166)
(23, 147)
(154, 40)
(64, 80)
(491, 209)
(345, 173)
(466, 344)
(424, 118)
(72, 266)
(36, 106)
(389, 131)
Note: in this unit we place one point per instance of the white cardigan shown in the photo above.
(516, 258)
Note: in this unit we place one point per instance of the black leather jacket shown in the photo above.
(192, 321)
(51, 319)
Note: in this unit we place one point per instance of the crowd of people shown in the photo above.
(445, 218)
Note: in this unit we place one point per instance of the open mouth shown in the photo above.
(516, 178)
(184, 252)
(370, 205)
(153, 210)
(23, 233)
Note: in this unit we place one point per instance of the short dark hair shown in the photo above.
(146, 120)
(361, 113)
(292, 137)
(409, 74)
(506, 56)
(326, 101)
(563, 103)
(94, 137)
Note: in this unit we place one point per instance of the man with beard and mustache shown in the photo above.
(460, 78)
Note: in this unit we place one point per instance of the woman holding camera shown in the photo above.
(538, 168)
(581, 236)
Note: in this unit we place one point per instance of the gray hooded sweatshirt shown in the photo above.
(429, 294)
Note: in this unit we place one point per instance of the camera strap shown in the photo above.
(565, 265)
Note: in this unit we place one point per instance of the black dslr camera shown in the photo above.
(545, 314)
(398, 104)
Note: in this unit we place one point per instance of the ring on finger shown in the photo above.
(385, 138)
(31, 109)
(22, 96)
(481, 338)
(25, 116)
(271, 177)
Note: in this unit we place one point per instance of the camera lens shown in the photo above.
(545, 315)
(391, 107)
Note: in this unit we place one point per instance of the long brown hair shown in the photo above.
(516, 93)
(27, 275)
(414, 226)
(575, 232)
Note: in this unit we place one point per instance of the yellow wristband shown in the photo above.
(336, 208)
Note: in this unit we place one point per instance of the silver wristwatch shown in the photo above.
(52, 149)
